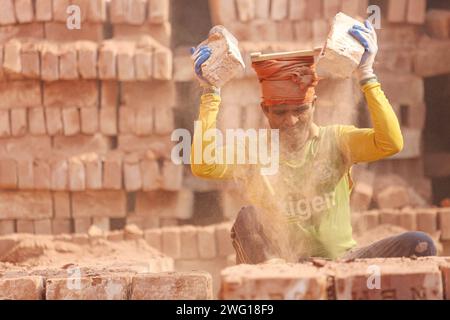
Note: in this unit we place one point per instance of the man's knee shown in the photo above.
(420, 243)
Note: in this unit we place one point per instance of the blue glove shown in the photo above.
(368, 39)
(200, 55)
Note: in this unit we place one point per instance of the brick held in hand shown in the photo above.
(225, 61)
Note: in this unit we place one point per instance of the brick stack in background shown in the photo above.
(85, 119)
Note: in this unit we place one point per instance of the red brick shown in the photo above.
(426, 220)
(390, 216)
(160, 32)
(117, 11)
(132, 174)
(87, 59)
(79, 144)
(7, 13)
(127, 119)
(49, 62)
(153, 238)
(30, 57)
(445, 270)
(20, 94)
(331, 8)
(25, 146)
(84, 8)
(25, 226)
(151, 94)
(7, 227)
(97, 11)
(8, 174)
(438, 23)
(246, 9)
(125, 62)
(81, 225)
(188, 239)
(149, 173)
(143, 64)
(5, 130)
(223, 239)
(162, 63)
(44, 11)
(297, 10)
(68, 62)
(303, 32)
(89, 120)
(431, 58)
(262, 10)
(285, 31)
(273, 281)
(159, 145)
(28, 30)
(172, 176)
(172, 286)
(23, 205)
(61, 226)
(25, 174)
(158, 11)
(107, 69)
(314, 9)
(23, 288)
(93, 167)
(444, 222)
(77, 177)
(371, 219)
(136, 13)
(352, 7)
(43, 226)
(2, 73)
(164, 121)
(56, 31)
(109, 94)
(222, 11)
(206, 242)
(42, 174)
(171, 242)
(101, 222)
(396, 11)
(75, 94)
(36, 121)
(401, 279)
(112, 171)
(71, 121)
(11, 57)
(59, 10)
(104, 287)
(108, 121)
(407, 219)
(144, 121)
(165, 204)
(18, 122)
(54, 122)
(61, 204)
(416, 11)
(110, 204)
(320, 30)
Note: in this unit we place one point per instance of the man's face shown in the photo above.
(293, 121)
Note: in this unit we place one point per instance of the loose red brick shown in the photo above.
(77, 177)
(71, 121)
(5, 129)
(87, 59)
(7, 227)
(30, 57)
(44, 10)
(144, 121)
(59, 174)
(154, 238)
(400, 279)
(36, 121)
(172, 286)
(71, 94)
(93, 167)
(172, 176)
(23, 288)
(416, 11)
(427, 220)
(89, 120)
(105, 287)
(68, 69)
(54, 121)
(127, 119)
(112, 171)
(273, 281)
(61, 203)
(18, 122)
(25, 205)
(8, 174)
(7, 13)
(132, 173)
(20, 94)
(108, 121)
(49, 62)
(43, 226)
(158, 11)
(61, 226)
(107, 69)
(25, 174)
(99, 204)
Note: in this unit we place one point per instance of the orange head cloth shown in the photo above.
(287, 80)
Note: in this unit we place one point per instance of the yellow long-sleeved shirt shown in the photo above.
(332, 232)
